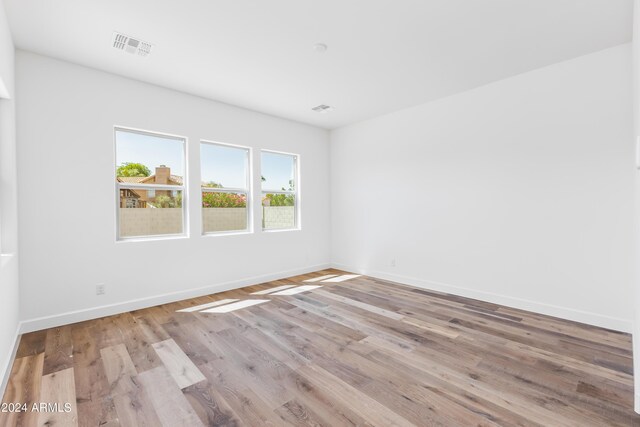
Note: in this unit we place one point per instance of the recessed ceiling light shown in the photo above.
(131, 45)
(322, 108)
(320, 47)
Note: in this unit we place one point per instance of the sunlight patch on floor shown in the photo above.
(317, 279)
(298, 290)
(235, 306)
(341, 278)
(276, 289)
(208, 305)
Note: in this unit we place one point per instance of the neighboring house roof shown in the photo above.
(173, 179)
(134, 179)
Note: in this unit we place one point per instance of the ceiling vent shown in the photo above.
(322, 108)
(131, 45)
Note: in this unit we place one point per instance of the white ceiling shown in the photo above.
(384, 55)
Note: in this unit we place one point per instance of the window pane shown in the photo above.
(149, 159)
(224, 212)
(223, 166)
(144, 159)
(143, 216)
(278, 171)
(278, 211)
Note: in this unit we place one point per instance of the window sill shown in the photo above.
(280, 230)
(151, 238)
(226, 233)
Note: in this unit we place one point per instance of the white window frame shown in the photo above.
(246, 191)
(133, 186)
(296, 192)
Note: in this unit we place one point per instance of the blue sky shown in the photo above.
(224, 165)
(277, 169)
(151, 151)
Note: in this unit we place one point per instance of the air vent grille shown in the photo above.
(322, 108)
(131, 45)
(119, 41)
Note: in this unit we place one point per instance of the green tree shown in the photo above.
(212, 184)
(167, 202)
(223, 200)
(280, 199)
(132, 169)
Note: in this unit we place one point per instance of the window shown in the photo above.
(279, 190)
(225, 188)
(150, 171)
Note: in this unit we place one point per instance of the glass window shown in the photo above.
(150, 183)
(225, 187)
(279, 190)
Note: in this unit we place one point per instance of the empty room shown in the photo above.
(303, 213)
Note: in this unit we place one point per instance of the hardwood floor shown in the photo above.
(359, 352)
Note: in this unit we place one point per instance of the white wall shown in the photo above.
(636, 123)
(519, 192)
(8, 207)
(66, 115)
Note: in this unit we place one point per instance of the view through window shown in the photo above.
(150, 183)
(279, 190)
(225, 187)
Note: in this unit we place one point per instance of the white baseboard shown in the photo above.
(46, 322)
(6, 368)
(595, 319)
(617, 324)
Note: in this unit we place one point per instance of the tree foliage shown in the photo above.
(167, 201)
(223, 200)
(212, 184)
(132, 169)
(278, 200)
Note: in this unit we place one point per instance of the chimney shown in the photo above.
(162, 174)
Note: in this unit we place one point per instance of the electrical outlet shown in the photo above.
(100, 289)
(393, 262)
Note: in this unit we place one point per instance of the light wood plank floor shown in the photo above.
(358, 352)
